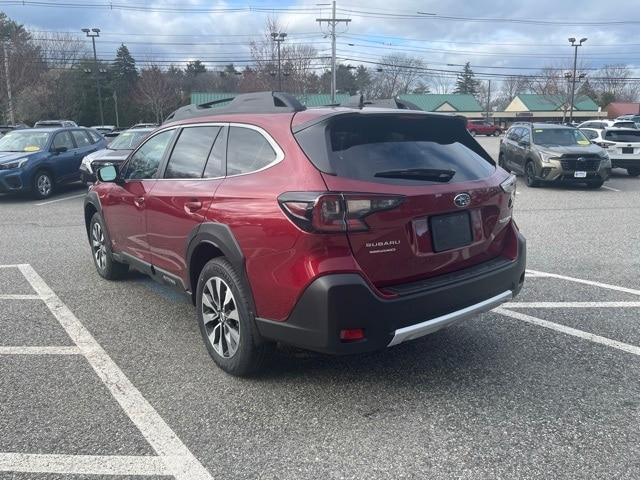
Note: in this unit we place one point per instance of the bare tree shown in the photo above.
(61, 49)
(441, 82)
(615, 82)
(155, 92)
(398, 73)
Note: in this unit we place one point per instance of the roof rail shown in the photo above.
(259, 102)
(358, 101)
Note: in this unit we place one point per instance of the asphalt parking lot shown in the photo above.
(111, 379)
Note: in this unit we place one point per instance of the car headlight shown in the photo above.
(547, 157)
(86, 161)
(14, 164)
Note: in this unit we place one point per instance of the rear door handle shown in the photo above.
(192, 205)
(139, 202)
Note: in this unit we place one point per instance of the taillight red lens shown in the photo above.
(352, 334)
(334, 212)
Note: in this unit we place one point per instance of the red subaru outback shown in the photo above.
(338, 230)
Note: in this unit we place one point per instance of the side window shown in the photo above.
(215, 163)
(247, 151)
(590, 134)
(63, 139)
(515, 134)
(81, 138)
(95, 138)
(526, 135)
(191, 152)
(145, 162)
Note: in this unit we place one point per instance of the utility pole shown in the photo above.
(333, 22)
(115, 104)
(488, 99)
(279, 37)
(93, 33)
(12, 118)
(573, 83)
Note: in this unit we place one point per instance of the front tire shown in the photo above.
(633, 172)
(107, 267)
(42, 185)
(226, 321)
(596, 184)
(530, 175)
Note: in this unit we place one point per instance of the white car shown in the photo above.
(621, 144)
(602, 124)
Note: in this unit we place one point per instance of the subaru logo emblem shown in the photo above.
(581, 159)
(462, 200)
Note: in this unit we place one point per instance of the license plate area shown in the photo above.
(450, 231)
(580, 174)
(627, 150)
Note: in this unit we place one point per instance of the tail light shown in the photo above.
(605, 145)
(334, 212)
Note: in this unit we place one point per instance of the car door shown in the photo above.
(84, 146)
(63, 155)
(124, 204)
(180, 199)
(522, 149)
(511, 142)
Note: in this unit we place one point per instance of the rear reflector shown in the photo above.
(352, 334)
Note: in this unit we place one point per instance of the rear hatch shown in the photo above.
(627, 142)
(422, 197)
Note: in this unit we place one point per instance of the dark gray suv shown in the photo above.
(553, 153)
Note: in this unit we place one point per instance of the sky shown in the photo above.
(497, 36)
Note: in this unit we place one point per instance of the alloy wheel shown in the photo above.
(43, 183)
(98, 244)
(221, 317)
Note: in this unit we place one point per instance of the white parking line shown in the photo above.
(571, 305)
(610, 188)
(59, 200)
(586, 282)
(40, 351)
(82, 464)
(625, 347)
(19, 297)
(173, 459)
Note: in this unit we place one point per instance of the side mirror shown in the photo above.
(59, 149)
(524, 143)
(108, 173)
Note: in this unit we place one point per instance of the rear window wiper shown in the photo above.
(432, 174)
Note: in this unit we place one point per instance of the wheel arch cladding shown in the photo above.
(91, 207)
(213, 240)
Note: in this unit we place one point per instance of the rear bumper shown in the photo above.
(345, 301)
(625, 162)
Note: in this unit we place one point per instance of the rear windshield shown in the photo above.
(396, 149)
(626, 124)
(625, 136)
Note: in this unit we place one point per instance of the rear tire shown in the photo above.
(633, 172)
(107, 267)
(226, 322)
(42, 184)
(530, 175)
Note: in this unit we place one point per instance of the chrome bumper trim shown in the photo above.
(430, 326)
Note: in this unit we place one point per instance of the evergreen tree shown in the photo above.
(124, 77)
(363, 79)
(466, 81)
(195, 68)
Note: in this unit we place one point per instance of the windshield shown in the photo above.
(128, 140)
(561, 137)
(23, 141)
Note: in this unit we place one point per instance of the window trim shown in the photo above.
(163, 160)
(267, 137)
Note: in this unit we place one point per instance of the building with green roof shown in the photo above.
(550, 108)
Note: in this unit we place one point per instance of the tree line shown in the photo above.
(52, 75)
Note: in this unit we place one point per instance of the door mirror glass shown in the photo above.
(108, 173)
(59, 149)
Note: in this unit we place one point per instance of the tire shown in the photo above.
(473, 133)
(634, 172)
(496, 133)
(101, 253)
(596, 184)
(42, 184)
(530, 175)
(232, 340)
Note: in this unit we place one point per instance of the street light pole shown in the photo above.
(93, 33)
(573, 79)
(279, 38)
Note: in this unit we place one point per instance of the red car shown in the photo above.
(339, 230)
(482, 127)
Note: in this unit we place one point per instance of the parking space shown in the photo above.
(111, 379)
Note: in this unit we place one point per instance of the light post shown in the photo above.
(573, 80)
(279, 38)
(93, 33)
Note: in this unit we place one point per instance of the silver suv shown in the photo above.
(553, 153)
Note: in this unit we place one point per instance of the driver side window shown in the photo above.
(145, 162)
(63, 139)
